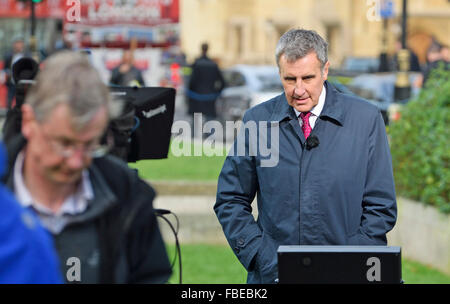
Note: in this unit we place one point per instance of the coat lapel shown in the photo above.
(286, 115)
(333, 108)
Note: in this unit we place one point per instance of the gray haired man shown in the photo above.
(98, 210)
(333, 184)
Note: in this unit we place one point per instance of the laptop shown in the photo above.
(339, 265)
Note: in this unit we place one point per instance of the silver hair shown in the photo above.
(69, 78)
(297, 43)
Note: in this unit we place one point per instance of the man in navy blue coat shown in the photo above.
(331, 182)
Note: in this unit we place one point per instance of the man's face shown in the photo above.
(127, 57)
(18, 46)
(47, 142)
(303, 81)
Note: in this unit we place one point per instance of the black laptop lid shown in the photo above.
(339, 264)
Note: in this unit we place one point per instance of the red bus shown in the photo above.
(88, 24)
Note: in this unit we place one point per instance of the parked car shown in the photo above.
(379, 89)
(245, 87)
(361, 64)
(354, 66)
(248, 85)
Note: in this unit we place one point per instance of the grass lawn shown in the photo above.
(214, 264)
(183, 167)
(207, 264)
(416, 273)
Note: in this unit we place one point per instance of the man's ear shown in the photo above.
(28, 119)
(325, 70)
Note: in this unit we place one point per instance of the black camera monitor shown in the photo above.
(339, 265)
(153, 111)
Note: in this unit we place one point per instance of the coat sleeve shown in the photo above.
(379, 200)
(220, 79)
(116, 77)
(236, 190)
(147, 256)
(140, 79)
(193, 77)
(130, 239)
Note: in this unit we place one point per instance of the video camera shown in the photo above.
(24, 71)
(142, 131)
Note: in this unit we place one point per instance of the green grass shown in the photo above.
(207, 264)
(416, 273)
(217, 264)
(183, 167)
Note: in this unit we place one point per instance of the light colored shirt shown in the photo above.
(74, 204)
(316, 110)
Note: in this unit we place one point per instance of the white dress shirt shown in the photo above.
(316, 110)
(74, 204)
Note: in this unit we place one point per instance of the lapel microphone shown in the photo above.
(311, 142)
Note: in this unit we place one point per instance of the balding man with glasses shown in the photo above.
(98, 210)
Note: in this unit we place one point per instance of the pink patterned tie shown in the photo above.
(306, 127)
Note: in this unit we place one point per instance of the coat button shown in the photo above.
(241, 242)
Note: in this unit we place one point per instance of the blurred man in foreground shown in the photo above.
(98, 210)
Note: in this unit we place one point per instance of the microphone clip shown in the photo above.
(311, 142)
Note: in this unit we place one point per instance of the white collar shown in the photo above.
(76, 203)
(317, 109)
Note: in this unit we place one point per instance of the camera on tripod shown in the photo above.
(142, 131)
(23, 73)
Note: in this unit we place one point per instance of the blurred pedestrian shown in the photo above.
(27, 254)
(435, 60)
(18, 51)
(414, 65)
(205, 84)
(445, 53)
(126, 74)
(62, 44)
(330, 181)
(99, 211)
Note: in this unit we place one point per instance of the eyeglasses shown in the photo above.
(66, 147)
